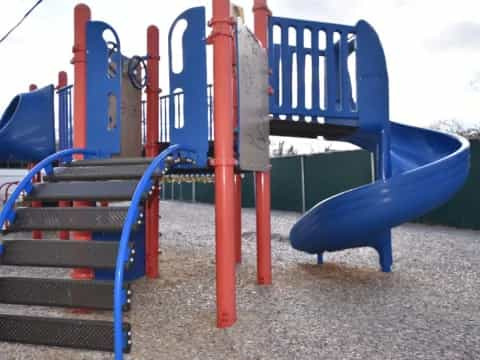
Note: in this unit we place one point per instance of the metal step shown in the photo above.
(108, 219)
(98, 173)
(61, 253)
(111, 162)
(90, 294)
(83, 190)
(71, 333)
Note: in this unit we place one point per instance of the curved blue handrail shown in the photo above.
(7, 213)
(143, 185)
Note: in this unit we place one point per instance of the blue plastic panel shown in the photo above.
(188, 112)
(27, 131)
(137, 269)
(315, 43)
(104, 77)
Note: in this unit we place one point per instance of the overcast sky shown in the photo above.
(432, 47)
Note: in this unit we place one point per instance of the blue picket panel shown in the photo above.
(335, 79)
(188, 108)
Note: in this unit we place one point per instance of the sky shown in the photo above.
(432, 47)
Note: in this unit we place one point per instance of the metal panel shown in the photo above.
(290, 99)
(58, 292)
(96, 173)
(84, 190)
(131, 129)
(80, 219)
(107, 162)
(59, 253)
(188, 112)
(253, 102)
(104, 86)
(71, 333)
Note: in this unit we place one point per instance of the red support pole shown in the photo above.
(262, 179)
(222, 39)
(82, 16)
(36, 234)
(152, 147)
(62, 82)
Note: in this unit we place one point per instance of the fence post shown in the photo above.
(302, 175)
(194, 192)
(372, 166)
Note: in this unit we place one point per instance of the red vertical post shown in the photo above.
(262, 179)
(237, 177)
(152, 148)
(62, 82)
(82, 16)
(222, 40)
(36, 234)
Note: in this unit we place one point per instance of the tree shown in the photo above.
(455, 127)
(278, 149)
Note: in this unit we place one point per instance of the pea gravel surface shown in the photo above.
(428, 308)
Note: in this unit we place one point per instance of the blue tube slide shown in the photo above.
(428, 168)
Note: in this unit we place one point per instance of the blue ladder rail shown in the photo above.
(174, 153)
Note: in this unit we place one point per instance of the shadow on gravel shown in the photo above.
(342, 274)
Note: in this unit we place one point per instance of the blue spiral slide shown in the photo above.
(428, 167)
(416, 169)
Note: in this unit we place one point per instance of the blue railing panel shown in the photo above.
(104, 93)
(296, 57)
(65, 128)
(165, 114)
(188, 109)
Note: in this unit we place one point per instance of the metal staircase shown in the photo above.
(114, 180)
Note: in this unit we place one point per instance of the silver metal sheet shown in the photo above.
(253, 102)
(131, 115)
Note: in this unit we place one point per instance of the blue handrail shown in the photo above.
(143, 185)
(8, 214)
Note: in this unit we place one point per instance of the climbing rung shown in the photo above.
(84, 190)
(111, 162)
(89, 294)
(98, 173)
(71, 333)
(61, 253)
(80, 219)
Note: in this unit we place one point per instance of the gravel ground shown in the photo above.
(428, 308)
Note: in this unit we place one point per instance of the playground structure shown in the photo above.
(290, 78)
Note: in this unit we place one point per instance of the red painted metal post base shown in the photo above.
(222, 40)
(262, 179)
(152, 210)
(82, 273)
(264, 251)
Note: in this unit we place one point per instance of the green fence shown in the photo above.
(300, 182)
(463, 210)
